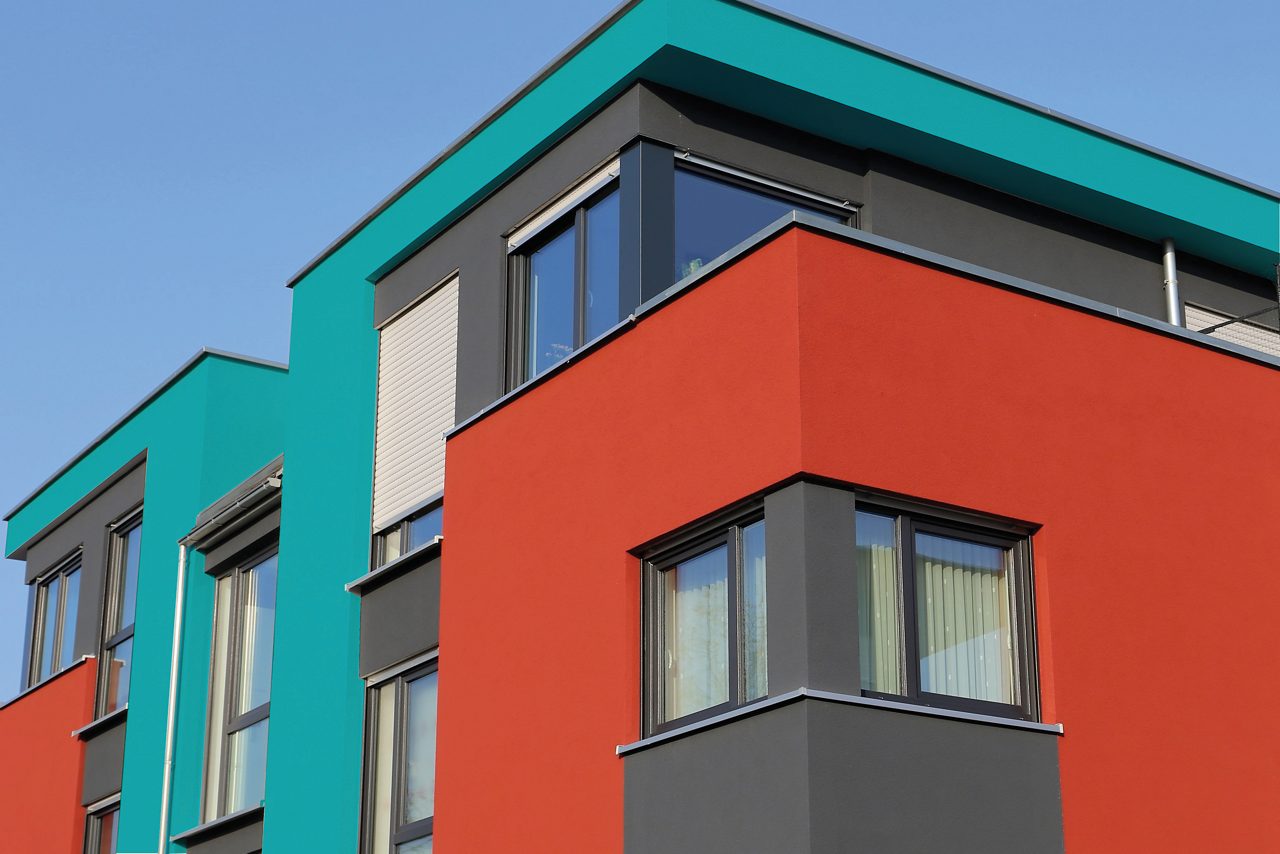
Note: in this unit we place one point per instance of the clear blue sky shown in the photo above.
(165, 167)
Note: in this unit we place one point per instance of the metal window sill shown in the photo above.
(422, 553)
(97, 725)
(832, 697)
(223, 824)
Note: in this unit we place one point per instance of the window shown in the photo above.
(1243, 332)
(706, 646)
(716, 213)
(409, 534)
(400, 764)
(240, 698)
(117, 626)
(566, 267)
(944, 613)
(101, 830)
(54, 628)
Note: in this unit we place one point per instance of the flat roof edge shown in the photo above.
(186, 366)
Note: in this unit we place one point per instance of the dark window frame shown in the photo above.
(113, 601)
(93, 825)
(399, 833)
(722, 530)
(910, 518)
(70, 564)
(518, 269)
(232, 722)
(763, 185)
(403, 526)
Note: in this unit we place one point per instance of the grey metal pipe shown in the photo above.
(1172, 298)
(172, 718)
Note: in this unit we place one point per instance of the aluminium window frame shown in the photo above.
(724, 529)
(94, 814)
(402, 526)
(785, 191)
(398, 834)
(113, 601)
(910, 518)
(232, 723)
(73, 562)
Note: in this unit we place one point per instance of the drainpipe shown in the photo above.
(1172, 299)
(171, 723)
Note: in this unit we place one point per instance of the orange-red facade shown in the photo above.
(1137, 454)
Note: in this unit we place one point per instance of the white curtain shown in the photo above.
(697, 636)
(878, 623)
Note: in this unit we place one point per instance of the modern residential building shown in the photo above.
(830, 455)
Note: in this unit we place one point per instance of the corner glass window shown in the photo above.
(569, 277)
(400, 764)
(122, 590)
(944, 614)
(715, 214)
(53, 637)
(240, 696)
(707, 625)
(409, 534)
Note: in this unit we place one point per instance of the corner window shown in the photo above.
(54, 627)
(240, 697)
(715, 212)
(409, 534)
(706, 645)
(122, 590)
(101, 830)
(565, 266)
(400, 764)
(944, 613)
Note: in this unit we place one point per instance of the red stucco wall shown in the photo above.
(1143, 457)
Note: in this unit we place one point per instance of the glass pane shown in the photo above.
(70, 593)
(417, 846)
(963, 618)
(697, 633)
(550, 303)
(754, 613)
(107, 832)
(218, 693)
(426, 528)
(116, 663)
(383, 766)
(420, 750)
(257, 625)
(132, 550)
(879, 626)
(49, 627)
(603, 234)
(713, 216)
(247, 767)
(390, 545)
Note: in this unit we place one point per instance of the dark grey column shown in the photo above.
(648, 223)
(812, 594)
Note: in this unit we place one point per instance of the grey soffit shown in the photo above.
(608, 20)
(97, 725)
(833, 697)
(154, 393)
(893, 247)
(223, 824)
(394, 567)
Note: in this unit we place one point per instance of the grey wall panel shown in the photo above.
(888, 782)
(400, 617)
(239, 839)
(87, 529)
(103, 763)
(737, 789)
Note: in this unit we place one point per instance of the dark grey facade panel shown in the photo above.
(103, 762)
(830, 778)
(742, 788)
(400, 617)
(251, 537)
(87, 530)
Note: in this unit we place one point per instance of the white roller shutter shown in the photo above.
(1243, 333)
(417, 373)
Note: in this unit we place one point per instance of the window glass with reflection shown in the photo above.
(400, 763)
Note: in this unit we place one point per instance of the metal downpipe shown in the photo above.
(171, 721)
(1172, 297)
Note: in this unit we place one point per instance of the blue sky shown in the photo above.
(164, 167)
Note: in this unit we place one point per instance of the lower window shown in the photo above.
(944, 613)
(101, 829)
(400, 764)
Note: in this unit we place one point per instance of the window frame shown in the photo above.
(727, 530)
(402, 526)
(765, 186)
(911, 518)
(399, 833)
(232, 723)
(573, 216)
(70, 564)
(93, 823)
(113, 601)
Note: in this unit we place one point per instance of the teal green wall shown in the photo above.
(215, 425)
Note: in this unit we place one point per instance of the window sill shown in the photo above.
(97, 725)
(832, 697)
(391, 568)
(218, 826)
